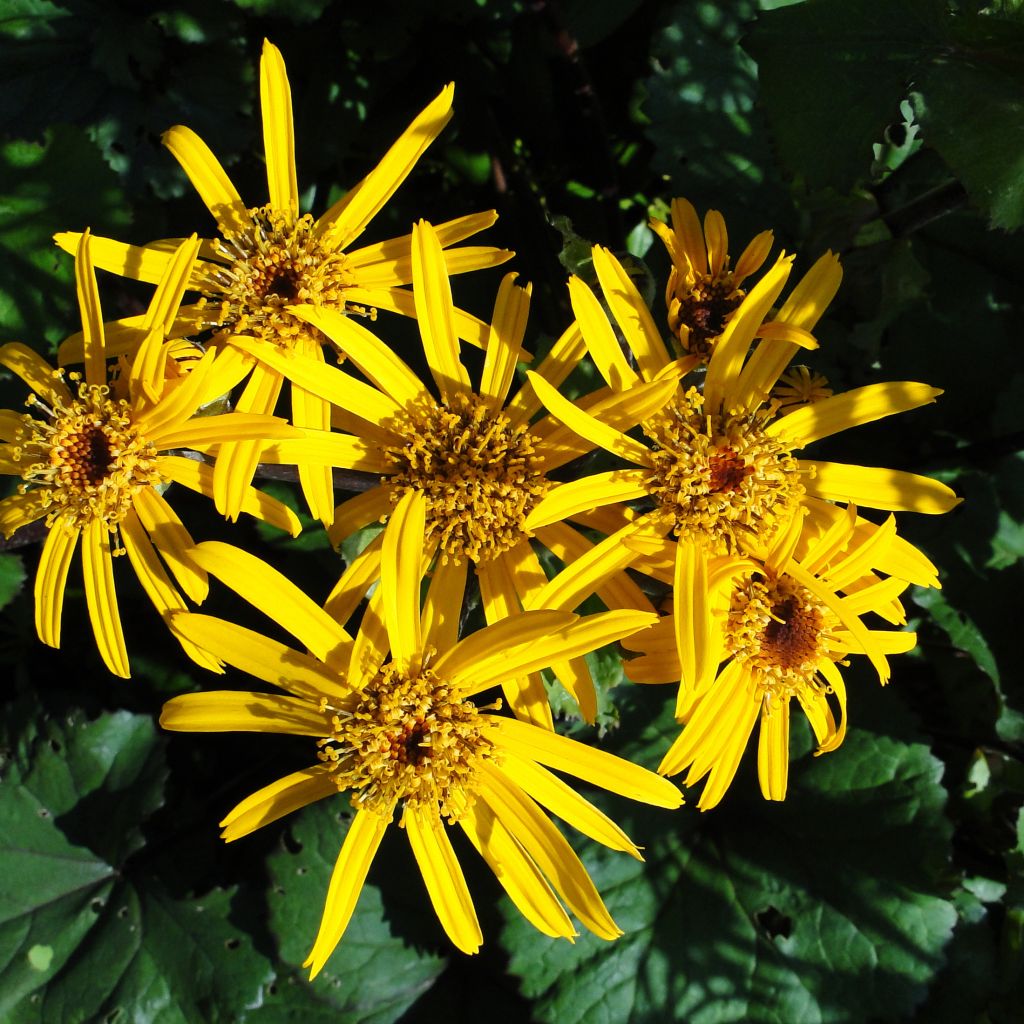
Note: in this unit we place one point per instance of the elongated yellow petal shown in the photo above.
(519, 875)
(588, 427)
(442, 875)
(720, 385)
(375, 359)
(549, 850)
(508, 326)
(834, 678)
(51, 579)
(92, 315)
(101, 598)
(371, 643)
(319, 448)
(243, 711)
(580, 637)
(264, 658)
(723, 771)
(278, 132)
(278, 598)
(35, 371)
(158, 586)
(349, 216)
(773, 750)
(563, 358)
(166, 300)
(594, 766)
(600, 337)
(311, 413)
(631, 314)
(19, 510)
(138, 262)
(178, 404)
(717, 241)
(227, 427)
(361, 510)
(752, 258)
(589, 492)
(695, 641)
(564, 802)
(355, 582)
(877, 487)
(350, 870)
(276, 800)
(443, 606)
(10, 425)
(460, 260)
(448, 233)
(859, 559)
(400, 576)
(210, 181)
(433, 295)
(686, 225)
(850, 409)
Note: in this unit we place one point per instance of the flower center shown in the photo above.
(87, 459)
(480, 475)
(703, 308)
(781, 630)
(410, 738)
(273, 264)
(720, 476)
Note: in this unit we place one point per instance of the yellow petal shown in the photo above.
(686, 226)
(361, 510)
(443, 606)
(312, 413)
(278, 598)
(850, 409)
(214, 188)
(371, 643)
(519, 875)
(276, 800)
(278, 132)
(589, 492)
(555, 367)
(98, 571)
(355, 582)
(717, 241)
(508, 326)
(138, 262)
(243, 711)
(264, 658)
(877, 487)
(564, 802)
(350, 870)
(594, 766)
(600, 337)
(400, 576)
(319, 449)
(51, 579)
(349, 216)
(448, 233)
(753, 257)
(549, 850)
(442, 875)
(35, 372)
(773, 750)
(92, 316)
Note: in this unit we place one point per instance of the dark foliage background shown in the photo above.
(888, 887)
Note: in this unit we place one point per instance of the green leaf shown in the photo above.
(12, 576)
(962, 632)
(375, 974)
(823, 908)
(89, 931)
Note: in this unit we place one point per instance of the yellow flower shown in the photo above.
(95, 463)
(477, 459)
(782, 625)
(269, 258)
(397, 727)
(703, 288)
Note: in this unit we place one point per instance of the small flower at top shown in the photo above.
(399, 729)
(269, 258)
(96, 453)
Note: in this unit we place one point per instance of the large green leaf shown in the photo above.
(12, 576)
(375, 974)
(824, 908)
(87, 929)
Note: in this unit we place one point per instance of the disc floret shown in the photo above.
(412, 738)
(479, 472)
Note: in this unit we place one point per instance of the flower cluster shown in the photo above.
(751, 569)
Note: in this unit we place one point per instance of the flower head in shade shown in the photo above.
(780, 627)
(481, 460)
(704, 289)
(398, 728)
(97, 452)
(270, 257)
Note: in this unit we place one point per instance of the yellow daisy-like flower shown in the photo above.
(704, 289)
(478, 459)
(397, 727)
(269, 258)
(782, 625)
(720, 463)
(95, 463)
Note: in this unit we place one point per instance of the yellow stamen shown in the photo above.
(478, 472)
(720, 476)
(411, 739)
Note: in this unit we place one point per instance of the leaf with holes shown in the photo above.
(87, 930)
(824, 908)
(376, 973)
